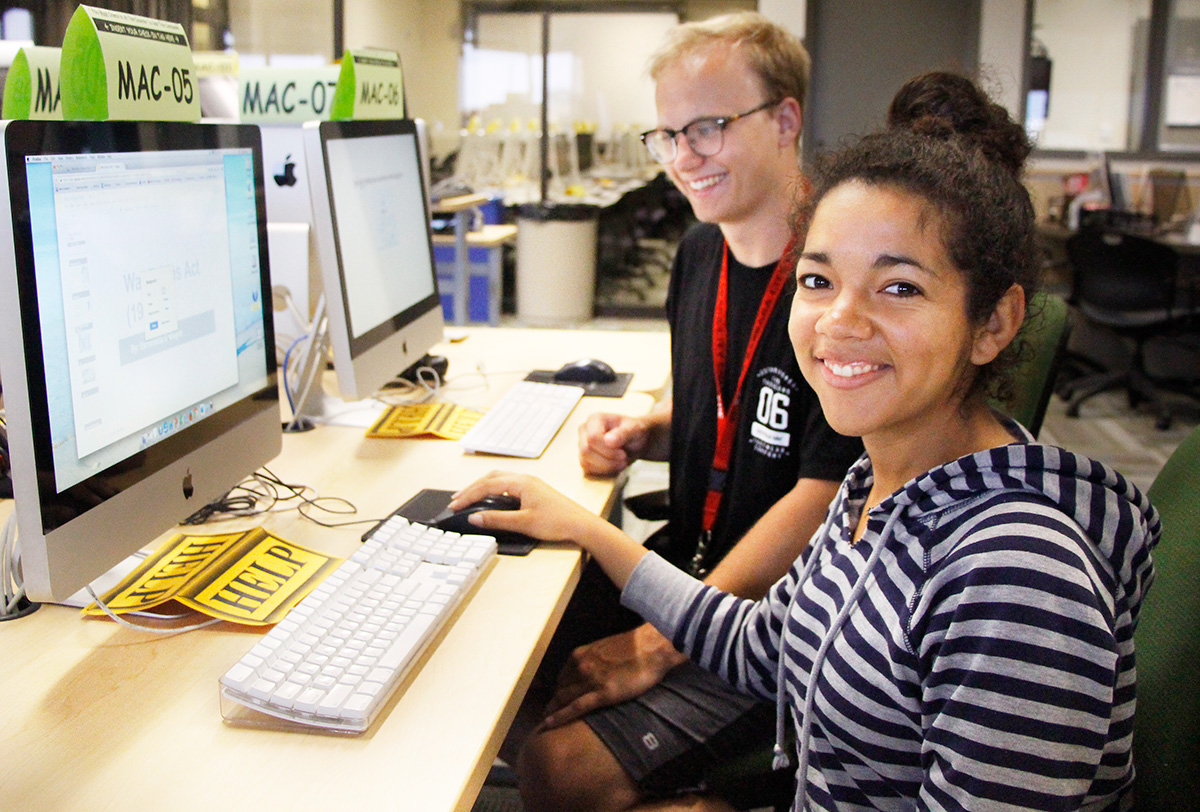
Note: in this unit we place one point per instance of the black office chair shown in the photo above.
(1129, 285)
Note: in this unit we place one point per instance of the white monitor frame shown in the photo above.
(195, 460)
(366, 359)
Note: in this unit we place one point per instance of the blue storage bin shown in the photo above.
(477, 293)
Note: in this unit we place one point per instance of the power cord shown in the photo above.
(247, 498)
(13, 602)
(146, 628)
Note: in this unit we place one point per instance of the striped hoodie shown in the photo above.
(973, 650)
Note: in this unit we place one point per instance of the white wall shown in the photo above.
(1090, 45)
(1002, 50)
(791, 14)
(590, 80)
(613, 88)
(282, 26)
(427, 35)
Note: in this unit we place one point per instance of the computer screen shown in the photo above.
(373, 244)
(136, 334)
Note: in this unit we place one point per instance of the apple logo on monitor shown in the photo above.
(288, 176)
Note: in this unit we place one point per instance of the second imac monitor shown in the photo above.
(374, 248)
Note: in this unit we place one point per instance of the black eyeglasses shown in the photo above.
(705, 135)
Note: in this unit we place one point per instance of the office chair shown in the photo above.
(1166, 736)
(1044, 336)
(1127, 284)
(637, 237)
(1168, 195)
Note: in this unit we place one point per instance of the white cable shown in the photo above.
(404, 392)
(152, 629)
(11, 588)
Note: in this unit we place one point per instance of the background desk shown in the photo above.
(490, 240)
(98, 717)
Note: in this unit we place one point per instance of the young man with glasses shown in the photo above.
(752, 467)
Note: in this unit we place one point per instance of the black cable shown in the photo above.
(275, 492)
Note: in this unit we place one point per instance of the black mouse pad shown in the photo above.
(429, 507)
(612, 389)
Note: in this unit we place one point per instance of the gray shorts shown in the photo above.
(669, 738)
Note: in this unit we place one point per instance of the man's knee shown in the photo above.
(569, 768)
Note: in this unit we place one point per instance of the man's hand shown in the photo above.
(610, 671)
(609, 442)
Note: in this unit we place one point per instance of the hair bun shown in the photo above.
(943, 105)
(933, 126)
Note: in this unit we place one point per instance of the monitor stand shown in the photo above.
(308, 398)
(13, 603)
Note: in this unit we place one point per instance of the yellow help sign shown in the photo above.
(118, 66)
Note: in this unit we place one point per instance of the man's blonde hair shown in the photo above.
(774, 53)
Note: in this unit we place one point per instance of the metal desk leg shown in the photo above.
(495, 267)
(461, 266)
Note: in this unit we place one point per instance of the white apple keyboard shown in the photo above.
(524, 420)
(339, 654)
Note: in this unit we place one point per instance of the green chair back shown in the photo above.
(1045, 334)
(1166, 739)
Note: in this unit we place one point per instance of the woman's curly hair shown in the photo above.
(948, 144)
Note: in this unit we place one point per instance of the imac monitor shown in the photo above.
(374, 248)
(138, 355)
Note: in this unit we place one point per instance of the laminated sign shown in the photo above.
(123, 67)
(31, 87)
(370, 85)
(278, 95)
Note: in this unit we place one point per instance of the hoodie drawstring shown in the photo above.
(780, 759)
(860, 586)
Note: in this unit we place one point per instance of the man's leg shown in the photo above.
(655, 751)
(569, 767)
(576, 771)
(593, 612)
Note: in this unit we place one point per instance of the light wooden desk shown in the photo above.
(97, 717)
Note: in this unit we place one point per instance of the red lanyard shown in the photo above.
(727, 419)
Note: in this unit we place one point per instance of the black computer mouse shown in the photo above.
(457, 522)
(585, 370)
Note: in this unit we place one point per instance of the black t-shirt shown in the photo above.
(782, 435)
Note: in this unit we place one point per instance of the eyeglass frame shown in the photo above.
(722, 123)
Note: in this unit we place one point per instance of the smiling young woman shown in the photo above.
(881, 330)
(959, 632)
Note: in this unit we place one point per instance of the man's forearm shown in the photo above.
(776, 540)
(658, 435)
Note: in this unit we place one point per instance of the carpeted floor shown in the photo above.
(1108, 431)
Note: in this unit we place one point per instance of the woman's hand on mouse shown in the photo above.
(544, 514)
(547, 515)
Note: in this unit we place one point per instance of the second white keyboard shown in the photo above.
(339, 654)
(524, 421)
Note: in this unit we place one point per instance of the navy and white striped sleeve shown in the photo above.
(1027, 689)
(736, 639)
